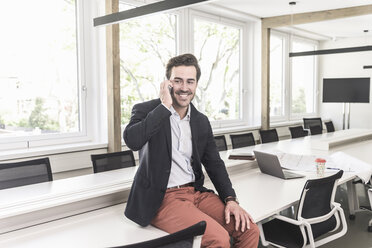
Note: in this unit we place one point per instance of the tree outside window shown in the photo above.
(39, 72)
(217, 47)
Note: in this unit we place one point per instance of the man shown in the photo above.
(174, 139)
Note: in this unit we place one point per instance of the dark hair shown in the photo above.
(185, 59)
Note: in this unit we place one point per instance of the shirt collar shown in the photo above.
(188, 114)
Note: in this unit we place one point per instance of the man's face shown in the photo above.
(184, 83)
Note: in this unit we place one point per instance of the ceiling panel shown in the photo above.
(340, 28)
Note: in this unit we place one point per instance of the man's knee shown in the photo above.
(218, 238)
(255, 231)
(252, 235)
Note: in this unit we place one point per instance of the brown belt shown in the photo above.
(182, 186)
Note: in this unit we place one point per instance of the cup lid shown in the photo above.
(320, 160)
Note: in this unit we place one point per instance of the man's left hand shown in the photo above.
(242, 218)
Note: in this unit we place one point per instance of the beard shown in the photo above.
(180, 103)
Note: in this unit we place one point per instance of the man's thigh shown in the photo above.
(210, 204)
(178, 211)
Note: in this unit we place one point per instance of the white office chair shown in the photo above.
(370, 202)
(317, 215)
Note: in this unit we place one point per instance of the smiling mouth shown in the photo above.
(184, 94)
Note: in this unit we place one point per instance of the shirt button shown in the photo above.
(167, 171)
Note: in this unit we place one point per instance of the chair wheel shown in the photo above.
(352, 216)
(369, 228)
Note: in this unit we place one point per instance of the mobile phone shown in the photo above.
(170, 88)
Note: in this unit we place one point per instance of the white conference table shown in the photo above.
(261, 195)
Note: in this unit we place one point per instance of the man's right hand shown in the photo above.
(165, 95)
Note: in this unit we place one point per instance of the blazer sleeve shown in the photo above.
(216, 168)
(145, 121)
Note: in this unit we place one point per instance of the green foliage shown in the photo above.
(39, 118)
(299, 103)
(22, 123)
(146, 46)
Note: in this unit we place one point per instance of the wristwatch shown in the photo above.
(231, 198)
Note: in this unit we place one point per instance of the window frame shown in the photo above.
(244, 81)
(288, 115)
(185, 44)
(286, 85)
(293, 116)
(85, 65)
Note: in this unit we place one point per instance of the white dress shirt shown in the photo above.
(181, 170)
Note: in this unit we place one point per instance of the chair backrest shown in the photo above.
(298, 131)
(312, 122)
(329, 126)
(316, 200)
(181, 239)
(316, 130)
(242, 140)
(112, 161)
(25, 173)
(220, 142)
(267, 136)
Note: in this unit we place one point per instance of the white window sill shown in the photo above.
(227, 130)
(49, 150)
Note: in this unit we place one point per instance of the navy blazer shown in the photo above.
(149, 132)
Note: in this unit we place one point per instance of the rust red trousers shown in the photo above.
(184, 207)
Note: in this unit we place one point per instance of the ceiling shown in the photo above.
(334, 29)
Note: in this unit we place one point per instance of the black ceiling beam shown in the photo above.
(332, 51)
(144, 10)
(367, 67)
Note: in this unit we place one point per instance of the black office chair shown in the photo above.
(187, 238)
(312, 122)
(316, 130)
(317, 215)
(112, 161)
(242, 140)
(25, 173)
(298, 131)
(267, 136)
(329, 126)
(220, 142)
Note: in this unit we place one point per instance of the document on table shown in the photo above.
(336, 161)
(297, 162)
(345, 162)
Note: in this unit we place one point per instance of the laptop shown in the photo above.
(270, 164)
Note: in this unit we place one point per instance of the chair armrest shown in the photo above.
(336, 206)
(301, 223)
(289, 220)
(370, 196)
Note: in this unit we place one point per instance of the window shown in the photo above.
(303, 80)
(277, 73)
(292, 80)
(217, 47)
(39, 76)
(146, 45)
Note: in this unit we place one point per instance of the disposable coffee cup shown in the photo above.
(320, 166)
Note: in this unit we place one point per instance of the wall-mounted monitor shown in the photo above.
(346, 89)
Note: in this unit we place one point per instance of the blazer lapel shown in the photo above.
(194, 134)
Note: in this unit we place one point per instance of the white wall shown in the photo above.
(346, 65)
